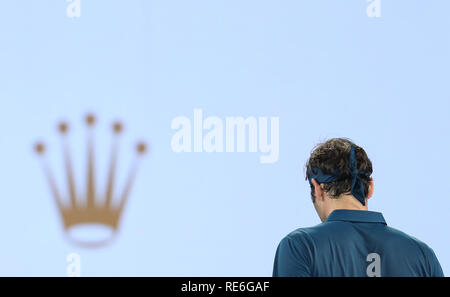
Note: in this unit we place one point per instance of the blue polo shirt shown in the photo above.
(354, 243)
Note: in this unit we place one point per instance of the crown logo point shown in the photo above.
(39, 148)
(141, 148)
(118, 127)
(63, 128)
(90, 120)
(94, 209)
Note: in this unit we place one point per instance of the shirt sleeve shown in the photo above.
(436, 269)
(293, 258)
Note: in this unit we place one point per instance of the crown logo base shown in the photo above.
(86, 215)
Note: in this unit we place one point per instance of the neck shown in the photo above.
(346, 202)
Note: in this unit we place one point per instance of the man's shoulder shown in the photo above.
(413, 248)
(309, 237)
(322, 229)
(342, 230)
(298, 234)
(298, 242)
(334, 229)
(400, 237)
(306, 234)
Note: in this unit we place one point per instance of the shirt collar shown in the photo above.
(362, 216)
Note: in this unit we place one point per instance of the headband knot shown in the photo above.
(357, 183)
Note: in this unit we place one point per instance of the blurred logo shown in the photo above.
(74, 265)
(374, 9)
(73, 9)
(90, 219)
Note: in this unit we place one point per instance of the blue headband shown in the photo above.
(357, 183)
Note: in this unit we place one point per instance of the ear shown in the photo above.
(318, 191)
(371, 188)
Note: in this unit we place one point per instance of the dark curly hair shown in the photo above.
(335, 154)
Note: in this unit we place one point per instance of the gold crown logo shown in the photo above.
(77, 212)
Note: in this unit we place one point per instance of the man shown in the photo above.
(351, 241)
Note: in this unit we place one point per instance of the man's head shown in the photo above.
(333, 162)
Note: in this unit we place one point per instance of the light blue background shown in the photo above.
(323, 67)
